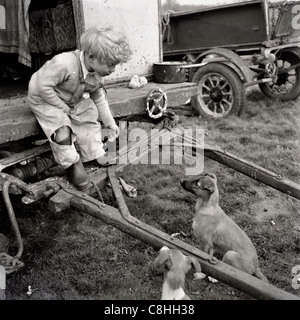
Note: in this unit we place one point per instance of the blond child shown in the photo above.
(69, 101)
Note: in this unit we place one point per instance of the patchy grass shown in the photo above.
(73, 256)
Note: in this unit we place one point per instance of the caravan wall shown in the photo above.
(139, 20)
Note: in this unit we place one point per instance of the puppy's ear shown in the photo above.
(211, 175)
(207, 184)
(168, 264)
(164, 260)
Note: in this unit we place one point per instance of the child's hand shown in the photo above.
(66, 110)
(114, 131)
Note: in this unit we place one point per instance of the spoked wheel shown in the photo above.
(287, 84)
(220, 91)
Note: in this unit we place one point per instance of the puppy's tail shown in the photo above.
(258, 274)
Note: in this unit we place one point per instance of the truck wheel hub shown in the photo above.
(216, 95)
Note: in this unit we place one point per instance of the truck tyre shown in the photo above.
(220, 91)
(287, 84)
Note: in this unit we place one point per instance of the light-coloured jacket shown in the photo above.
(59, 82)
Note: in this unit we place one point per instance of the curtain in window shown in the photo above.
(14, 30)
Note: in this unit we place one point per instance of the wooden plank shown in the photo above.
(125, 101)
(18, 122)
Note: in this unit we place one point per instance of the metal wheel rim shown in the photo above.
(290, 82)
(210, 82)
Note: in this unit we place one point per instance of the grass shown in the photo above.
(73, 256)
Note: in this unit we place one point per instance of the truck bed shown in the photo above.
(233, 26)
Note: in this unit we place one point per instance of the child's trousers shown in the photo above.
(86, 130)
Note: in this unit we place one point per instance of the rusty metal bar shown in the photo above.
(254, 82)
(255, 172)
(12, 218)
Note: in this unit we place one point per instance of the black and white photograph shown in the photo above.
(149, 152)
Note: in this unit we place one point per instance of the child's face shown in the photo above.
(103, 69)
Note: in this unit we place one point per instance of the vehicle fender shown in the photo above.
(294, 50)
(233, 60)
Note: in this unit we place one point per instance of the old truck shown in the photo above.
(228, 48)
(27, 167)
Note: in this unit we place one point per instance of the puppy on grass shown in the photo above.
(175, 265)
(214, 230)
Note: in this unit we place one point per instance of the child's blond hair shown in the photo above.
(107, 44)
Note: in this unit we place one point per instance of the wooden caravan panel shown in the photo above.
(139, 20)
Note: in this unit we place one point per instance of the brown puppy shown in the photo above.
(175, 266)
(216, 231)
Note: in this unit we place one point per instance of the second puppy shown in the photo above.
(175, 265)
(214, 230)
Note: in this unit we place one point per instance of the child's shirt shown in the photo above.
(64, 80)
